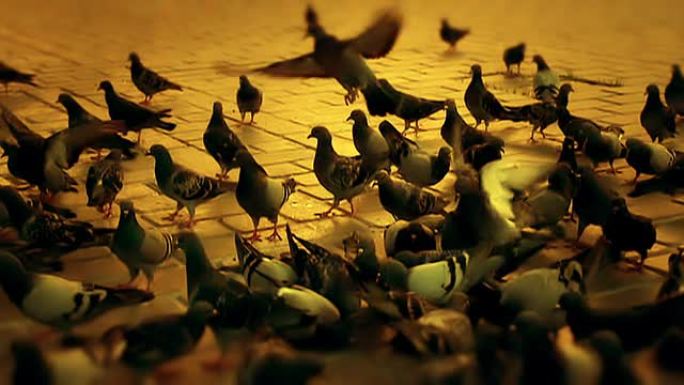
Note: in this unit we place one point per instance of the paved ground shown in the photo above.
(73, 45)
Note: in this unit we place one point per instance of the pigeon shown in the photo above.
(147, 81)
(72, 366)
(344, 59)
(514, 55)
(260, 195)
(188, 188)
(567, 154)
(408, 107)
(412, 236)
(360, 248)
(648, 158)
(668, 182)
(79, 117)
(674, 92)
(264, 274)
(136, 116)
(546, 82)
(481, 103)
(222, 143)
(104, 182)
(249, 99)
(396, 142)
(615, 368)
(369, 143)
(672, 284)
(550, 205)
(629, 232)
(10, 75)
(423, 169)
(306, 308)
(344, 177)
(592, 201)
(656, 118)
(543, 114)
(275, 364)
(59, 302)
(451, 35)
(605, 146)
(406, 201)
(139, 248)
(470, 136)
(637, 327)
(575, 127)
(160, 339)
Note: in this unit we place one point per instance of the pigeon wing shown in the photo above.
(302, 66)
(379, 38)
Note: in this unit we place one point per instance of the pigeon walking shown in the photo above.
(344, 177)
(369, 143)
(408, 107)
(481, 103)
(656, 118)
(648, 158)
(406, 201)
(546, 82)
(104, 182)
(674, 92)
(514, 55)
(452, 35)
(249, 99)
(260, 195)
(222, 143)
(10, 75)
(136, 116)
(147, 81)
(188, 188)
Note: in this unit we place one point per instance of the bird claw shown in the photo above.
(256, 237)
(274, 236)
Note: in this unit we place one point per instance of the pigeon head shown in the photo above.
(450, 103)
(321, 134)
(106, 85)
(357, 242)
(66, 100)
(13, 277)
(652, 90)
(358, 116)
(382, 177)
(127, 210)
(134, 58)
(159, 152)
(571, 275)
(189, 242)
(445, 22)
(634, 143)
(244, 81)
(394, 275)
(674, 264)
(541, 63)
(476, 70)
(676, 71)
(217, 108)
(566, 88)
(444, 154)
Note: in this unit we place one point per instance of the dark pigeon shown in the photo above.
(593, 201)
(408, 107)
(514, 55)
(104, 182)
(648, 158)
(482, 104)
(656, 118)
(452, 35)
(629, 232)
(147, 81)
(406, 201)
(674, 92)
(249, 99)
(222, 143)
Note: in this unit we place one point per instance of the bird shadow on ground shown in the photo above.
(452, 54)
(230, 69)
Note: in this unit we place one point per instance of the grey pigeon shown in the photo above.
(136, 116)
(79, 119)
(406, 201)
(188, 188)
(249, 99)
(368, 142)
(452, 35)
(648, 158)
(344, 177)
(514, 55)
(260, 195)
(408, 107)
(674, 92)
(423, 169)
(57, 301)
(605, 146)
(546, 82)
(139, 248)
(592, 201)
(104, 182)
(656, 118)
(481, 103)
(222, 143)
(548, 206)
(629, 232)
(396, 142)
(10, 75)
(264, 274)
(343, 59)
(148, 81)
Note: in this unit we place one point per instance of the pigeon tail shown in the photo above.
(514, 114)
(166, 125)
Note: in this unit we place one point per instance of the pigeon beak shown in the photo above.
(349, 118)
(147, 153)
(99, 88)
(310, 136)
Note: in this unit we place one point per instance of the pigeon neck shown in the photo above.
(217, 121)
(562, 99)
(324, 150)
(197, 264)
(163, 167)
(195, 321)
(677, 75)
(15, 279)
(74, 112)
(136, 67)
(653, 100)
(477, 79)
(361, 128)
(129, 231)
(542, 66)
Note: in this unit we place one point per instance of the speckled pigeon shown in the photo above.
(222, 143)
(406, 201)
(148, 81)
(104, 182)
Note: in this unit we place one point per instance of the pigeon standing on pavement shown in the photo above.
(656, 118)
(139, 248)
(59, 302)
(408, 107)
(546, 82)
(369, 143)
(481, 103)
(592, 201)
(648, 158)
(605, 146)
(104, 181)
(576, 127)
(10, 75)
(629, 232)
(222, 143)
(343, 176)
(188, 188)
(249, 99)
(260, 195)
(406, 201)
(451, 35)
(147, 81)
(470, 136)
(514, 55)
(674, 92)
(136, 116)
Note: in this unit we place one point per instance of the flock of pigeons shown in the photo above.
(441, 291)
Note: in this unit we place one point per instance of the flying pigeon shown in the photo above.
(674, 92)
(656, 118)
(10, 75)
(148, 81)
(514, 55)
(406, 201)
(408, 107)
(546, 82)
(104, 181)
(344, 177)
(188, 188)
(139, 248)
(59, 302)
(249, 99)
(648, 158)
(222, 143)
(260, 195)
(451, 35)
(369, 143)
(136, 116)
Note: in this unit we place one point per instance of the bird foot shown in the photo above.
(324, 214)
(189, 224)
(256, 237)
(274, 236)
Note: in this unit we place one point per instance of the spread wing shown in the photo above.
(379, 38)
(301, 66)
